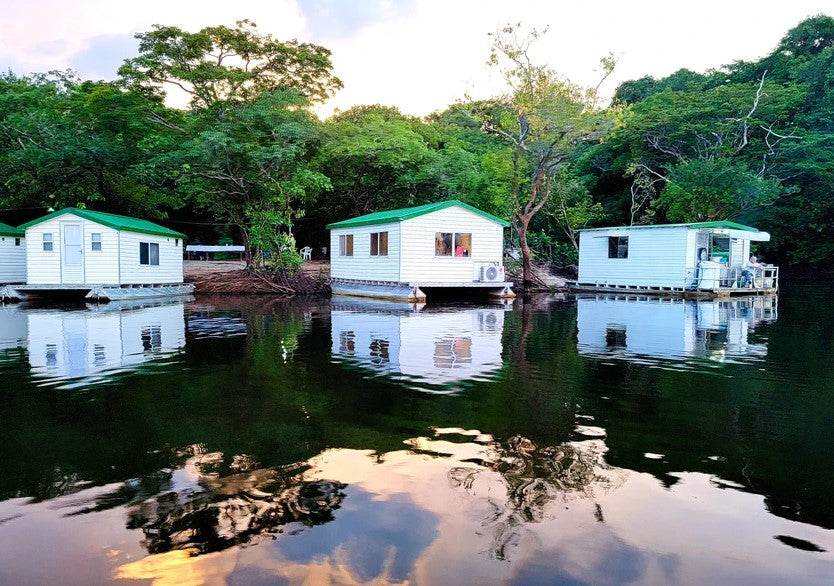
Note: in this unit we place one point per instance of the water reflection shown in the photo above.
(418, 344)
(78, 347)
(647, 328)
(453, 506)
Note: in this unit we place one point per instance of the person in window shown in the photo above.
(749, 269)
(461, 251)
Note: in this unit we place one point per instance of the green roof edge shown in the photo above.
(403, 214)
(11, 231)
(717, 224)
(109, 220)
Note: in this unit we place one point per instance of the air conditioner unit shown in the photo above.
(492, 273)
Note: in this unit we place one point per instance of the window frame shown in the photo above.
(344, 249)
(377, 238)
(93, 242)
(454, 240)
(149, 246)
(618, 250)
(48, 240)
(17, 241)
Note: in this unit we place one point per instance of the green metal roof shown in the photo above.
(403, 214)
(721, 225)
(123, 223)
(6, 230)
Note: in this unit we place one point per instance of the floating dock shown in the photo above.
(96, 292)
(414, 292)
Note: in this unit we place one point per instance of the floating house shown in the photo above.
(651, 329)
(701, 258)
(12, 255)
(406, 253)
(429, 350)
(105, 256)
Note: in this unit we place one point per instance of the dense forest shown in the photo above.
(247, 159)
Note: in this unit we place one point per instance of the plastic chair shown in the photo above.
(306, 253)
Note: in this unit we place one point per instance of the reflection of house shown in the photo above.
(88, 344)
(703, 256)
(397, 254)
(12, 328)
(629, 326)
(12, 255)
(422, 346)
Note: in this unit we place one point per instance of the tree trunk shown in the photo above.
(247, 251)
(526, 253)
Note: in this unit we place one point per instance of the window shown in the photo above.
(47, 242)
(379, 244)
(346, 245)
(452, 244)
(463, 244)
(149, 253)
(96, 241)
(443, 244)
(17, 241)
(618, 247)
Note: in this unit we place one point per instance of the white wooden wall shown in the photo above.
(657, 257)
(12, 260)
(117, 263)
(418, 261)
(170, 260)
(362, 265)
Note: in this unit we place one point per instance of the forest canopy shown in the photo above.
(247, 160)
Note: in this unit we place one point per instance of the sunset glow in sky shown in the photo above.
(418, 55)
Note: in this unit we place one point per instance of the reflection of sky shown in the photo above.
(440, 519)
(377, 537)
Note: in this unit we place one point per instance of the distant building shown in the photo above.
(399, 254)
(700, 256)
(12, 255)
(104, 254)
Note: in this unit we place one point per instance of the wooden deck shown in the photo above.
(686, 293)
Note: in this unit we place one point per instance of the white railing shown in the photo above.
(709, 278)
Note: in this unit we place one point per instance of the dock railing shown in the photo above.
(709, 278)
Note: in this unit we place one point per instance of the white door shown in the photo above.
(72, 255)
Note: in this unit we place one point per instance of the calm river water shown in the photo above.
(599, 440)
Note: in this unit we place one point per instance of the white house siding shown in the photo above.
(657, 257)
(101, 267)
(12, 260)
(170, 260)
(44, 268)
(362, 265)
(418, 262)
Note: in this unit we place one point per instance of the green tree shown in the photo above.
(64, 143)
(542, 118)
(251, 167)
(220, 64)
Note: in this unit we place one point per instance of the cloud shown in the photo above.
(104, 55)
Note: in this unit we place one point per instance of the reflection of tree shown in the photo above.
(535, 477)
(218, 512)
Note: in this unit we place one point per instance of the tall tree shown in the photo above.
(220, 64)
(543, 117)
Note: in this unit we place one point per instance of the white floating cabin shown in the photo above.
(701, 258)
(104, 256)
(401, 254)
(12, 255)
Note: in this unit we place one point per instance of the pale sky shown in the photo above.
(418, 55)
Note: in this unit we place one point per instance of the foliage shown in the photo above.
(543, 119)
(219, 64)
(69, 143)
(714, 189)
(250, 167)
